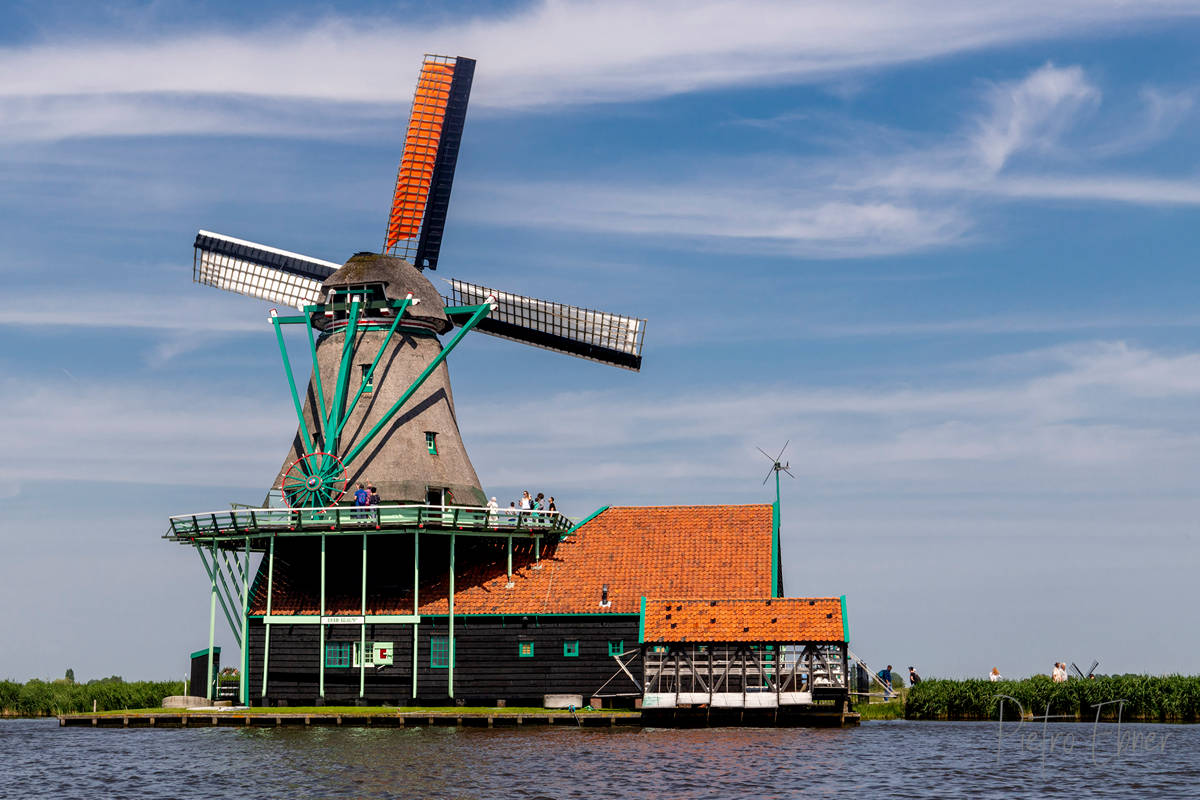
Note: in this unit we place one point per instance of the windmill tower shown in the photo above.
(379, 407)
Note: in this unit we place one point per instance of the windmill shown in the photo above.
(378, 407)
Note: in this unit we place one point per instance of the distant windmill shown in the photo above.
(1091, 670)
(378, 408)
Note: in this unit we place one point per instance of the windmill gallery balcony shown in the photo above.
(240, 523)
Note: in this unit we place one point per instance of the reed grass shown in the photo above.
(1170, 698)
(42, 698)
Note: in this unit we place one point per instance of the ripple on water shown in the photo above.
(880, 759)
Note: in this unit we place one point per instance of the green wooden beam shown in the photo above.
(845, 620)
(586, 520)
(480, 312)
(244, 683)
(370, 372)
(267, 630)
(450, 672)
(287, 370)
(321, 679)
(362, 647)
(335, 409)
(312, 348)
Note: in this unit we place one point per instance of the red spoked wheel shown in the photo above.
(317, 480)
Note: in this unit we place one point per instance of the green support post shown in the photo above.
(345, 416)
(267, 618)
(212, 627)
(321, 660)
(416, 605)
(287, 369)
(480, 313)
(312, 347)
(362, 647)
(213, 574)
(450, 673)
(510, 559)
(335, 408)
(244, 683)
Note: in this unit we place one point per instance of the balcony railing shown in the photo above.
(240, 522)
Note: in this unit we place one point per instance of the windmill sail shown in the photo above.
(581, 332)
(257, 270)
(435, 126)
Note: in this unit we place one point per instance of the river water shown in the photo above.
(879, 759)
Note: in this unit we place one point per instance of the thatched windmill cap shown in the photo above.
(399, 278)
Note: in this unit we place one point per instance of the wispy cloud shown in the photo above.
(882, 192)
(545, 54)
(1108, 416)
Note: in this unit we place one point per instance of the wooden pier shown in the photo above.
(170, 718)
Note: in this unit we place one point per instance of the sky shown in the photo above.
(945, 251)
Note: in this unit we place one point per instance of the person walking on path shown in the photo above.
(913, 677)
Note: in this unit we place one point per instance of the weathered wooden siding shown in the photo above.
(487, 661)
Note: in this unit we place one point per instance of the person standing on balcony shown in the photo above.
(360, 499)
(551, 506)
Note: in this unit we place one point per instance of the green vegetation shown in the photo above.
(40, 698)
(892, 709)
(1173, 698)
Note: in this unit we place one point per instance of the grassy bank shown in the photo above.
(1173, 698)
(43, 698)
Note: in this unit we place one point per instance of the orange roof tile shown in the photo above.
(783, 619)
(637, 550)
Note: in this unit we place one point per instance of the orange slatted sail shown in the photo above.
(420, 150)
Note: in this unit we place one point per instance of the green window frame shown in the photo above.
(337, 654)
(659, 648)
(571, 648)
(616, 647)
(525, 649)
(439, 651)
(431, 442)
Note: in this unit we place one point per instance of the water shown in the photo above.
(880, 759)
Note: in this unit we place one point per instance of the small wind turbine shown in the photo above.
(777, 466)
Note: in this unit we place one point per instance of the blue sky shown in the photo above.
(948, 251)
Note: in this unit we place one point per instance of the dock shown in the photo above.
(173, 718)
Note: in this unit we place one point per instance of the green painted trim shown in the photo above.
(521, 648)
(338, 648)
(776, 588)
(450, 601)
(534, 614)
(434, 364)
(620, 647)
(845, 620)
(587, 519)
(570, 648)
(199, 653)
(642, 622)
(433, 639)
(314, 619)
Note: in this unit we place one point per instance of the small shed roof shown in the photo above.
(780, 619)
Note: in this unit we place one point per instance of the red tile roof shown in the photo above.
(785, 619)
(690, 551)
(679, 551)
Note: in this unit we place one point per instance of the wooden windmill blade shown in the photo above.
(423, 182)
(256, 270)
(581, 332)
